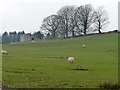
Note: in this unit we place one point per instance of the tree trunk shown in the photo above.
(53, 34)
(99, 27)
(66, 33)
(85, 30)
(73, 33)
(99, 31)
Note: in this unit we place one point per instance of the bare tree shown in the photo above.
(85, 17)
(68, 24)
(101, 19)
(51, 24)
(72, 20)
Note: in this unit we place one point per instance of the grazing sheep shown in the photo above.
(70, 59)
(83, 46)
(3, 52)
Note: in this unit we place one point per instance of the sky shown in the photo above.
(27, 15)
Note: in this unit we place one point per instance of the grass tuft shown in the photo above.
(109, 85)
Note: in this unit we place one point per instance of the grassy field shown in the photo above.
(44, 65)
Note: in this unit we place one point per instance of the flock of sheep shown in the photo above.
(69, 58)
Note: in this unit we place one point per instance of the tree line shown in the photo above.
(69, 21)
(72, 21)
(12, 37)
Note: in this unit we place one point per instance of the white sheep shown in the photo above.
(4, 52)
(70, 59)
(83, 46)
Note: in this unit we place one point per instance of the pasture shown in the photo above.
(44, 64)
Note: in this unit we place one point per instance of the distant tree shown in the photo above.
(61, 28)
(85, 17)
(51, 24)
(5, 38)
(72, 20)
(0, 39)
(38, 35)
(68, 22)
(48, 36)
(101, 19)
(20, 34)
(13, 36)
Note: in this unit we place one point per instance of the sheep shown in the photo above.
(3, 52)
(70, 59)
(83, 46)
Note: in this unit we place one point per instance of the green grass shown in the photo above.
(39, 64)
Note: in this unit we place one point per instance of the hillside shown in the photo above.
(44, 64)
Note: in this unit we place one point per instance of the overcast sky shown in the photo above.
(27, 15)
